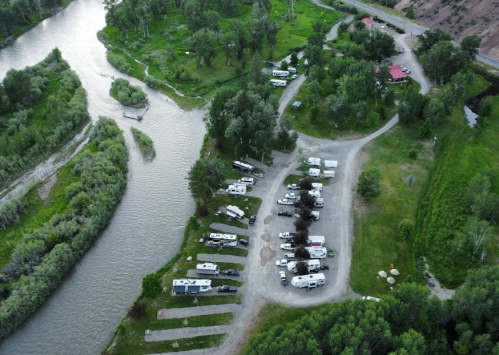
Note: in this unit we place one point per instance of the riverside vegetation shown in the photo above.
(41, 108)
(89, 188)
(126, 94)
(145, 143)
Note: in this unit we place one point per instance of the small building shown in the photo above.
(296, 105)
(396, 73)
(368, 22)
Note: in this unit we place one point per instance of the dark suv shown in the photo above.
(225, 288)
(252, 220)
(230, 272)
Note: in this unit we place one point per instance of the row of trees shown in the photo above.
(28, 136)
(407, 321)
(45, 255)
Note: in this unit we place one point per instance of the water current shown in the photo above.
(146, 228)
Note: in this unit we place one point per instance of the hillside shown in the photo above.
(461, 18)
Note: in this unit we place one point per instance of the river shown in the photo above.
(147, 227)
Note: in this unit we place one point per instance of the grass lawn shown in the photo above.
(295, 179)
(377, 244)
(36, 213)
(169, 59)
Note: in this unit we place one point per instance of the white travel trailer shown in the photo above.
(280, 73)
(234, 211)
(208, 269)
(236, 189)
(292, 70)
(316, 239)
(314, 193)
(239, 165)
(191, 286)
(247, 181)
(276, 82)
(328, 174)
(317, 186)
(223, 239)
(314, 162)
(317, 252)
(312, 172)
(310, 281)
(330, 163)
(313, 265)
(319, 203)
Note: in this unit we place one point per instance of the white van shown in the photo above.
(247, 181)
(328, 174)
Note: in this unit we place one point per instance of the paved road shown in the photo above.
(222, 258)
(408, 26)
(229, 229)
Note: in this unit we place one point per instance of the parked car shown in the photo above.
(288, 246)
(286, 235)
(405, 70)
(369, 298)
(259, 175)
(330, 253)
(282, 276)
(282, 262)
(285, 201)
(226, 288)
(285, 213)
(294, 76)
(244, 242)
(293, 187)
(252, 220)
(230, 272)
(292, 196)
(408, 71)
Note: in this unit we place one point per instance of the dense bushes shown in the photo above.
(119, 62)
(126, 94)
(46, 254)
(29, 136)
(145, 143)
(341, 6)
(10, 212)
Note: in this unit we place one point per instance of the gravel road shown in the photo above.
(170, 313)
(179, 333)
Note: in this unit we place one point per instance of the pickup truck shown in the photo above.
(282, 276)
(282, 262)
(293, 196)
(285, 201)
(286, 235)
(225, 288)
(293, 187)
(288, 246)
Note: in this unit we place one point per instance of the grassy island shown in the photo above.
(145, 143)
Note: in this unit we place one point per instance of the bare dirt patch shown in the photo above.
(267, 219)
(44, 190)
(265, 237)
(265, 255)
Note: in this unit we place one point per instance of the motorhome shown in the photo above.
(328, 174)
(315, 215)
(317, 186)
(280, 73)
(317, 252)
(236, 190)
(208, 269)
(191, 286)
(330, 163)
(276, 82)
(223, 239)
(247, 181)
(319, 203)
(316, 239)
(241, 166)
(234, 212)
(292, 70)
(313, 265)
(314, 162)
(312, 172)
(310, 281)
(314, 193)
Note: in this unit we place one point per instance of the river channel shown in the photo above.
(146, 228)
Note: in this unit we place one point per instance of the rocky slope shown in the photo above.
(461, 18)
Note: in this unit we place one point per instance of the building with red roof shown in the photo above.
(396, 72)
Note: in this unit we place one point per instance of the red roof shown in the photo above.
(395, 71)
(368, 20)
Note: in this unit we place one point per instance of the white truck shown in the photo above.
(286, 235)
(288, 246)
(316, 239)
(236, 190)
(315, 214)
(312, 172)
(330, 163)
(314, 162)
(208, 269)
(310, 281)
(317, 252)
(328, 174)
(234, 211)
(313, 265)
(191, 286)
(293, 196)
(286, 201)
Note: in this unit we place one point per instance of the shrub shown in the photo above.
(151, 286)
(406, 229)
(137, 310)
(145, 143)
(301, 224)
(302, 268)
(203, 211)
(413, 154)
(302, 253)
(127, 94)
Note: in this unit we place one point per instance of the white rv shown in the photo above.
(314, 193)
(280, 73)
(208, 269)
(317, 252)
(314, 162)
(234, 211)
(222, 239)
(313, 265)
(328, 174)
(241, 166)
(312, 172)
(292, 70)
(317, 186)
(247, 181)
(276, 82)
(309, 281)
(319, 203)
(330, 163)
(236, 190)
(316, 239)
(191, 286)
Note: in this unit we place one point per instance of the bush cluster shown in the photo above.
(145, 143)
(126, 94)
(10, 212)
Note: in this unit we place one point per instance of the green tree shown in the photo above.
(426, 130)
(17, 85)
(217, 123)
(435, 111)
(284, 65)
(369, 183)
(302, 268)
(294, 59)
(203, 42)
(470, 46)
(314, 114)
(286, 139)
(197, 181)
(431, 37)
(485, 106)
(442, 61)
(258, 77)
(372, 119)
(151, 286)
(410, 12)
(406, 229)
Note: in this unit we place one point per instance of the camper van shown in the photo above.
(236, 190)
(313, 265)
(314, 162)
(234, 211)
(316, 239)
(276, 82)
(247, 181)
(314, 172)
(191, 286)
(280, 73)
(208, 269)
(241, 166)
(328, 174)
(292, 70)
(309, 281)
(317, 252)
(319, 203)
(317, 186)
(314, 193)
(330, 163)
